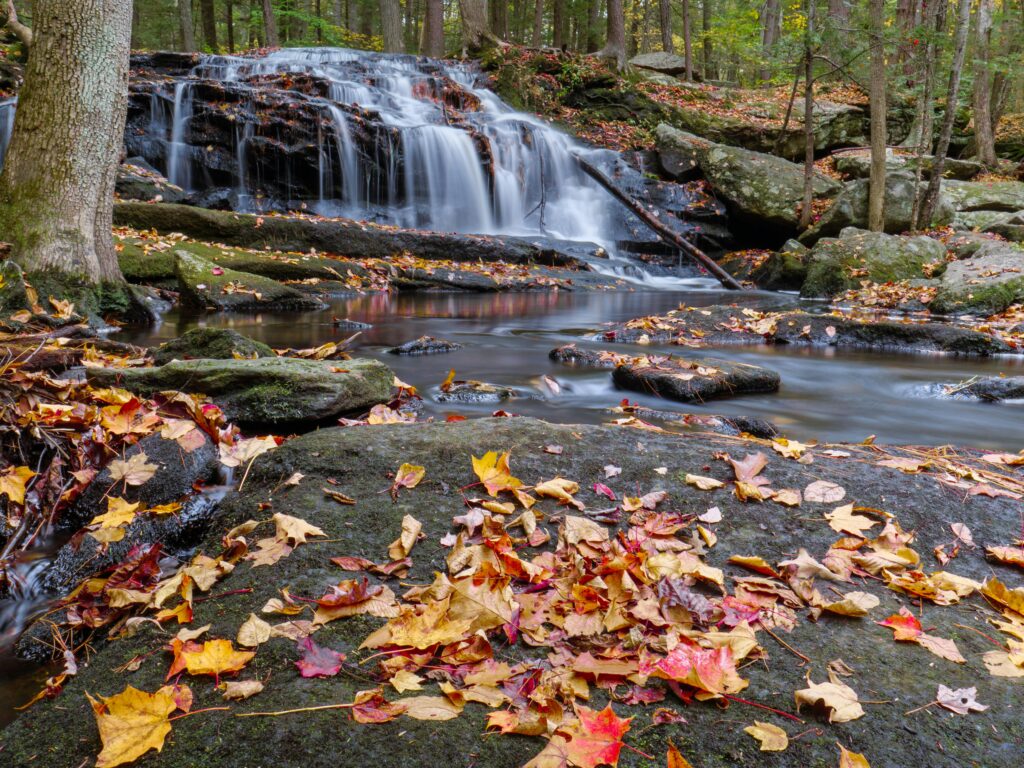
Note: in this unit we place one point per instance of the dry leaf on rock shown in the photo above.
(237, 690)
(838, 698)
(131, 723)
(848, 759)
(134, 471)
(402, 546)
(961, 700)
(772, 738)
(824, 492)
(253, 632)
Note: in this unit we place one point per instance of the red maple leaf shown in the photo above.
(318, 661)
(597, 738)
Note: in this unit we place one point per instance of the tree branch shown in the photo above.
(20, 31)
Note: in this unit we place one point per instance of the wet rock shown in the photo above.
(425, 345)
(273, 392)
(204, 284)
(361, 459)
(210, 344)
(850, 208)
(138, 180)
(13, 296)
(858, 165)
(991, 388)
(339, 236)
(693, 380)
(659, 61)
(838, 264)
(783, 270)
(756, 186)
(178, 470)
(988, 281)
(570, 354)
(723, 425)
(985, 196)
(476, 392)
(724, 325)
(350, 325)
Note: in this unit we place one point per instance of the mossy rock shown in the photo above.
(272, 392)
(838, 264)
(991, 280)
(985, 196)
(204, 284)
(784, 270)
(13, 295)
(893, 677)
(210, 344)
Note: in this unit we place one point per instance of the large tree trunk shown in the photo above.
(931, 195)
(615, 45)
(188, 35)
(807, 209)
(984, 133)
(876, 185)
(269, 25)
(432, 37)
(665, 19)
(476, 33)
(391, 25)
(538, 24)
(209, 21)
(771, 28)
(57, 185)
(594, 26)
(687, 40)
(558, 24)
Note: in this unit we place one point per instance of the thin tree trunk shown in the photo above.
(229, 17)
(931, 195)
(687, 40)
(924, 120)
(807, 209)
(876, 187)
(706, 29)
(771, 27)
(391, 25)
(558, 24)
(984, 135)
(432, 38)
(269, 25)
(538, 24)
(188, 35)
(209, 21)
(57, 185)
(594, 26)
(665, 19)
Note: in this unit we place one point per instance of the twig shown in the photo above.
(786, 645)
(762, 706)
(294, 711)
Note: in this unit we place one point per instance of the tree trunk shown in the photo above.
(19, 30)
(188, 35)
(665, 19)
(687, 40)
(771, 26)
(615, 45)
(706, 29)
(269, 25)
(984, 135)
(476, 33)
(538, 24)
(594, 26)
(391, 25)
(499, 18)
(57, 185)
(931, 196)
(558, 24)
(432, 37)
(229, 18)
(807, 210)
(876, 187)
(209, 21)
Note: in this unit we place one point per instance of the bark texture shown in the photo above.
(665, 20)
(615, 45)
(876, 189)
(984, 135)
(57, 186)
(269, 25)
(391, 25)
(432, 41)
(209, 20)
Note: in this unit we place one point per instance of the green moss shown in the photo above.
(987, 299)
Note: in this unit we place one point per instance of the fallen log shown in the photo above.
(666, 234)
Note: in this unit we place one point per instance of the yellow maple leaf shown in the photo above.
(13, 481)
(134, 471)
(131, 723)
(111, 523)
(772, 738)
(213, 657)
(494, 472)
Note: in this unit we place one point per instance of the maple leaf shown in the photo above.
(853, 604)
(402, 546)
(561, 489)
(408, 476)
(710, 670)
(843, 520)
(999, 593)
(13, 481)
(372, 707)
(111, 523)
(1008, 555)
(134, 471)
(493, 471)
(838, 698)
(772, 738)
(848, 759)
(253, 632)
(293, 529)
(131, 723)
(904, 624)
(749, 481)
(961, 701)
(824, 492)
(213, 657)
(674, 759)
(318, 661)
(595, 739)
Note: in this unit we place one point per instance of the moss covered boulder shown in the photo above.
(205, 285)
(210, 344)
(890, 678)
(272, 392)
(985, 196)
(857, 164)
(990, 280)
(838, 264)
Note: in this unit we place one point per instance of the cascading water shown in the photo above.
(179, 166)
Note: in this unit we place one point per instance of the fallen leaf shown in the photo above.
(408, 476)
(838, 698)
(213, 657)
(843, 520)
(253, 632)
(13, 481)
(824, 492)
(961, 701)
(134, 471)
(772, 738)
(131, 723)
(674, 759)
(703, 483)
(318, 661)
(237, 690)
(429, 708)
(493, 471)
(848, 759)
(402, 546)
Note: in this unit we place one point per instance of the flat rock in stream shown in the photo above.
(477, 392)
(990, 388)
(272, 392)
(205, 285)
(894, 677)
(425, 345)
(723, 325)
(693, 380)
(210, 344)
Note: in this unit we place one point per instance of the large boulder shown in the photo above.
(272, 392)
(985, 196)
(890, 678)
(205, 285)
(850, 208)
(990, 280)
(1010, 226)
(210, 344)
(660, 61)
(693, 380)
(756, 186)
(839, 264)
(858, 165)
(991, 388)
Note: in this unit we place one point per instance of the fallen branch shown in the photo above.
(666, 234)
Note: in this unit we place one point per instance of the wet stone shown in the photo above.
(694, 380)
(425, 345)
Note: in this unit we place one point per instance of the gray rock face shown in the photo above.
(994, 388)
(694, 380)
(1011, 227)
(271, 392)
(204, 284)
(475, 392)
(985, 196)
(838, 264)
(850, 208)
(858, 165)
(989, 280)
(425, 345)
(138, 180)
(756, 186)
(210, 344)
(666, 63)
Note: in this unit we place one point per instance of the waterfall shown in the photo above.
(7, 109)
(179, 162)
